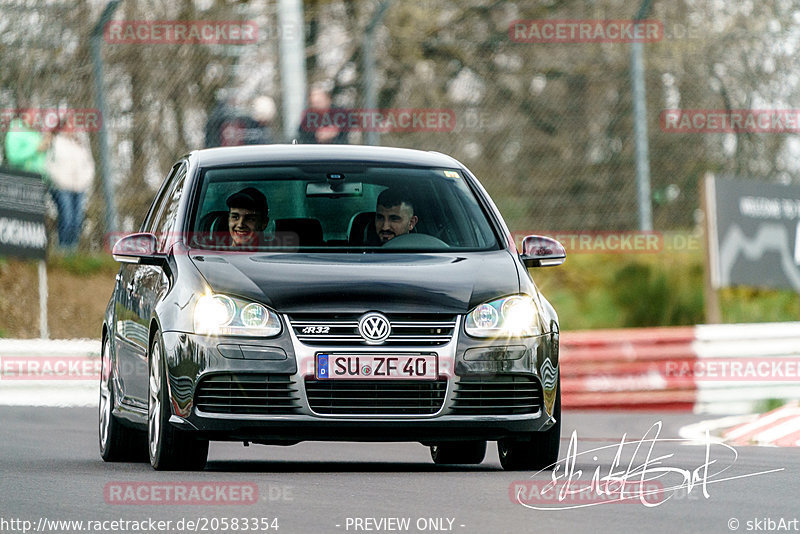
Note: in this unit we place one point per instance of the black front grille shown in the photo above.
(247, 393)
(496, 395)
(376, 397)
(429, 329)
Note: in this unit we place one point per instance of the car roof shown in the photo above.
(288, 154)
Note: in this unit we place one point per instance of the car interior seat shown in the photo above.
(300, 231)
(213, 223)
(362, 230)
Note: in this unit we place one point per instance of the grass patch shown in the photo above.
(748, 305)
(82, 264)
(663, 289)
(767, 405)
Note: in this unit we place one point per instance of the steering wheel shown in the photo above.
(416, 241)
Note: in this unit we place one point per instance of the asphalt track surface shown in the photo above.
(50, 469)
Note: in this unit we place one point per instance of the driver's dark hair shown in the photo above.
(394, 196)
(249, 198)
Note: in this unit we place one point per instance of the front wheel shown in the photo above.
(465, 452)
(169, 447)
(537, 450)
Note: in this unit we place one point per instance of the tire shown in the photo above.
(538, 450)
(168, 447)
(465, 452)
(118, 443)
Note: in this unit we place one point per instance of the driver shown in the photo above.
(394, 214)
(247, 217)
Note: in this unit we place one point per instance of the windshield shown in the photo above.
(339, 208)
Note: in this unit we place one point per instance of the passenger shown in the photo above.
(248, 215)
(394, 214)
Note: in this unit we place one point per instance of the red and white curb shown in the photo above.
(655, 368)
(777, 428)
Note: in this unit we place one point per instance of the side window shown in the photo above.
(168, 215)
(151, 220)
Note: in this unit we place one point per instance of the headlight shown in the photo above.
(514, 316)
(221, 315)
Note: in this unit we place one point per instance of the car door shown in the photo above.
(140, 287)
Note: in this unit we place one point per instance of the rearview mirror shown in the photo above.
(137, 248)
(334, 190)
(541, 251)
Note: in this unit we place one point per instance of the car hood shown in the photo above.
(356, 283)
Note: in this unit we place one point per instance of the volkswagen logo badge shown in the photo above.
(374, 328)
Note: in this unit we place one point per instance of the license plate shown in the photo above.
(373, 366)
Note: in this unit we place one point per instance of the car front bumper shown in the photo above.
(266, 391)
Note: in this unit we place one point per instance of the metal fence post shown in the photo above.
(292, 64)
(640, 128)
(368, 56)
(100, 102)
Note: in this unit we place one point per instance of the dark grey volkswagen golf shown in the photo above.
(276, 294)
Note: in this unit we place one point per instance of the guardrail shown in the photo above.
(704, 368)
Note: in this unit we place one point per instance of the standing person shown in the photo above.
(71, 170)
(26, 148)
(316, 125)
(262, 111)
(222, 111)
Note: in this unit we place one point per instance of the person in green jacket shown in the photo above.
(26, 149)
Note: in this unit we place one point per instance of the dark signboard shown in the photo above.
(755, 233)
(22, 211)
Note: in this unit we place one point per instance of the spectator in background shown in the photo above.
(71, 170)
(228, 125)
(26, 148)
(315, 125)
(263, 111)
(222, 111)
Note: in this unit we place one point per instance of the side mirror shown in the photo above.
(137, 248)
(541, 251)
